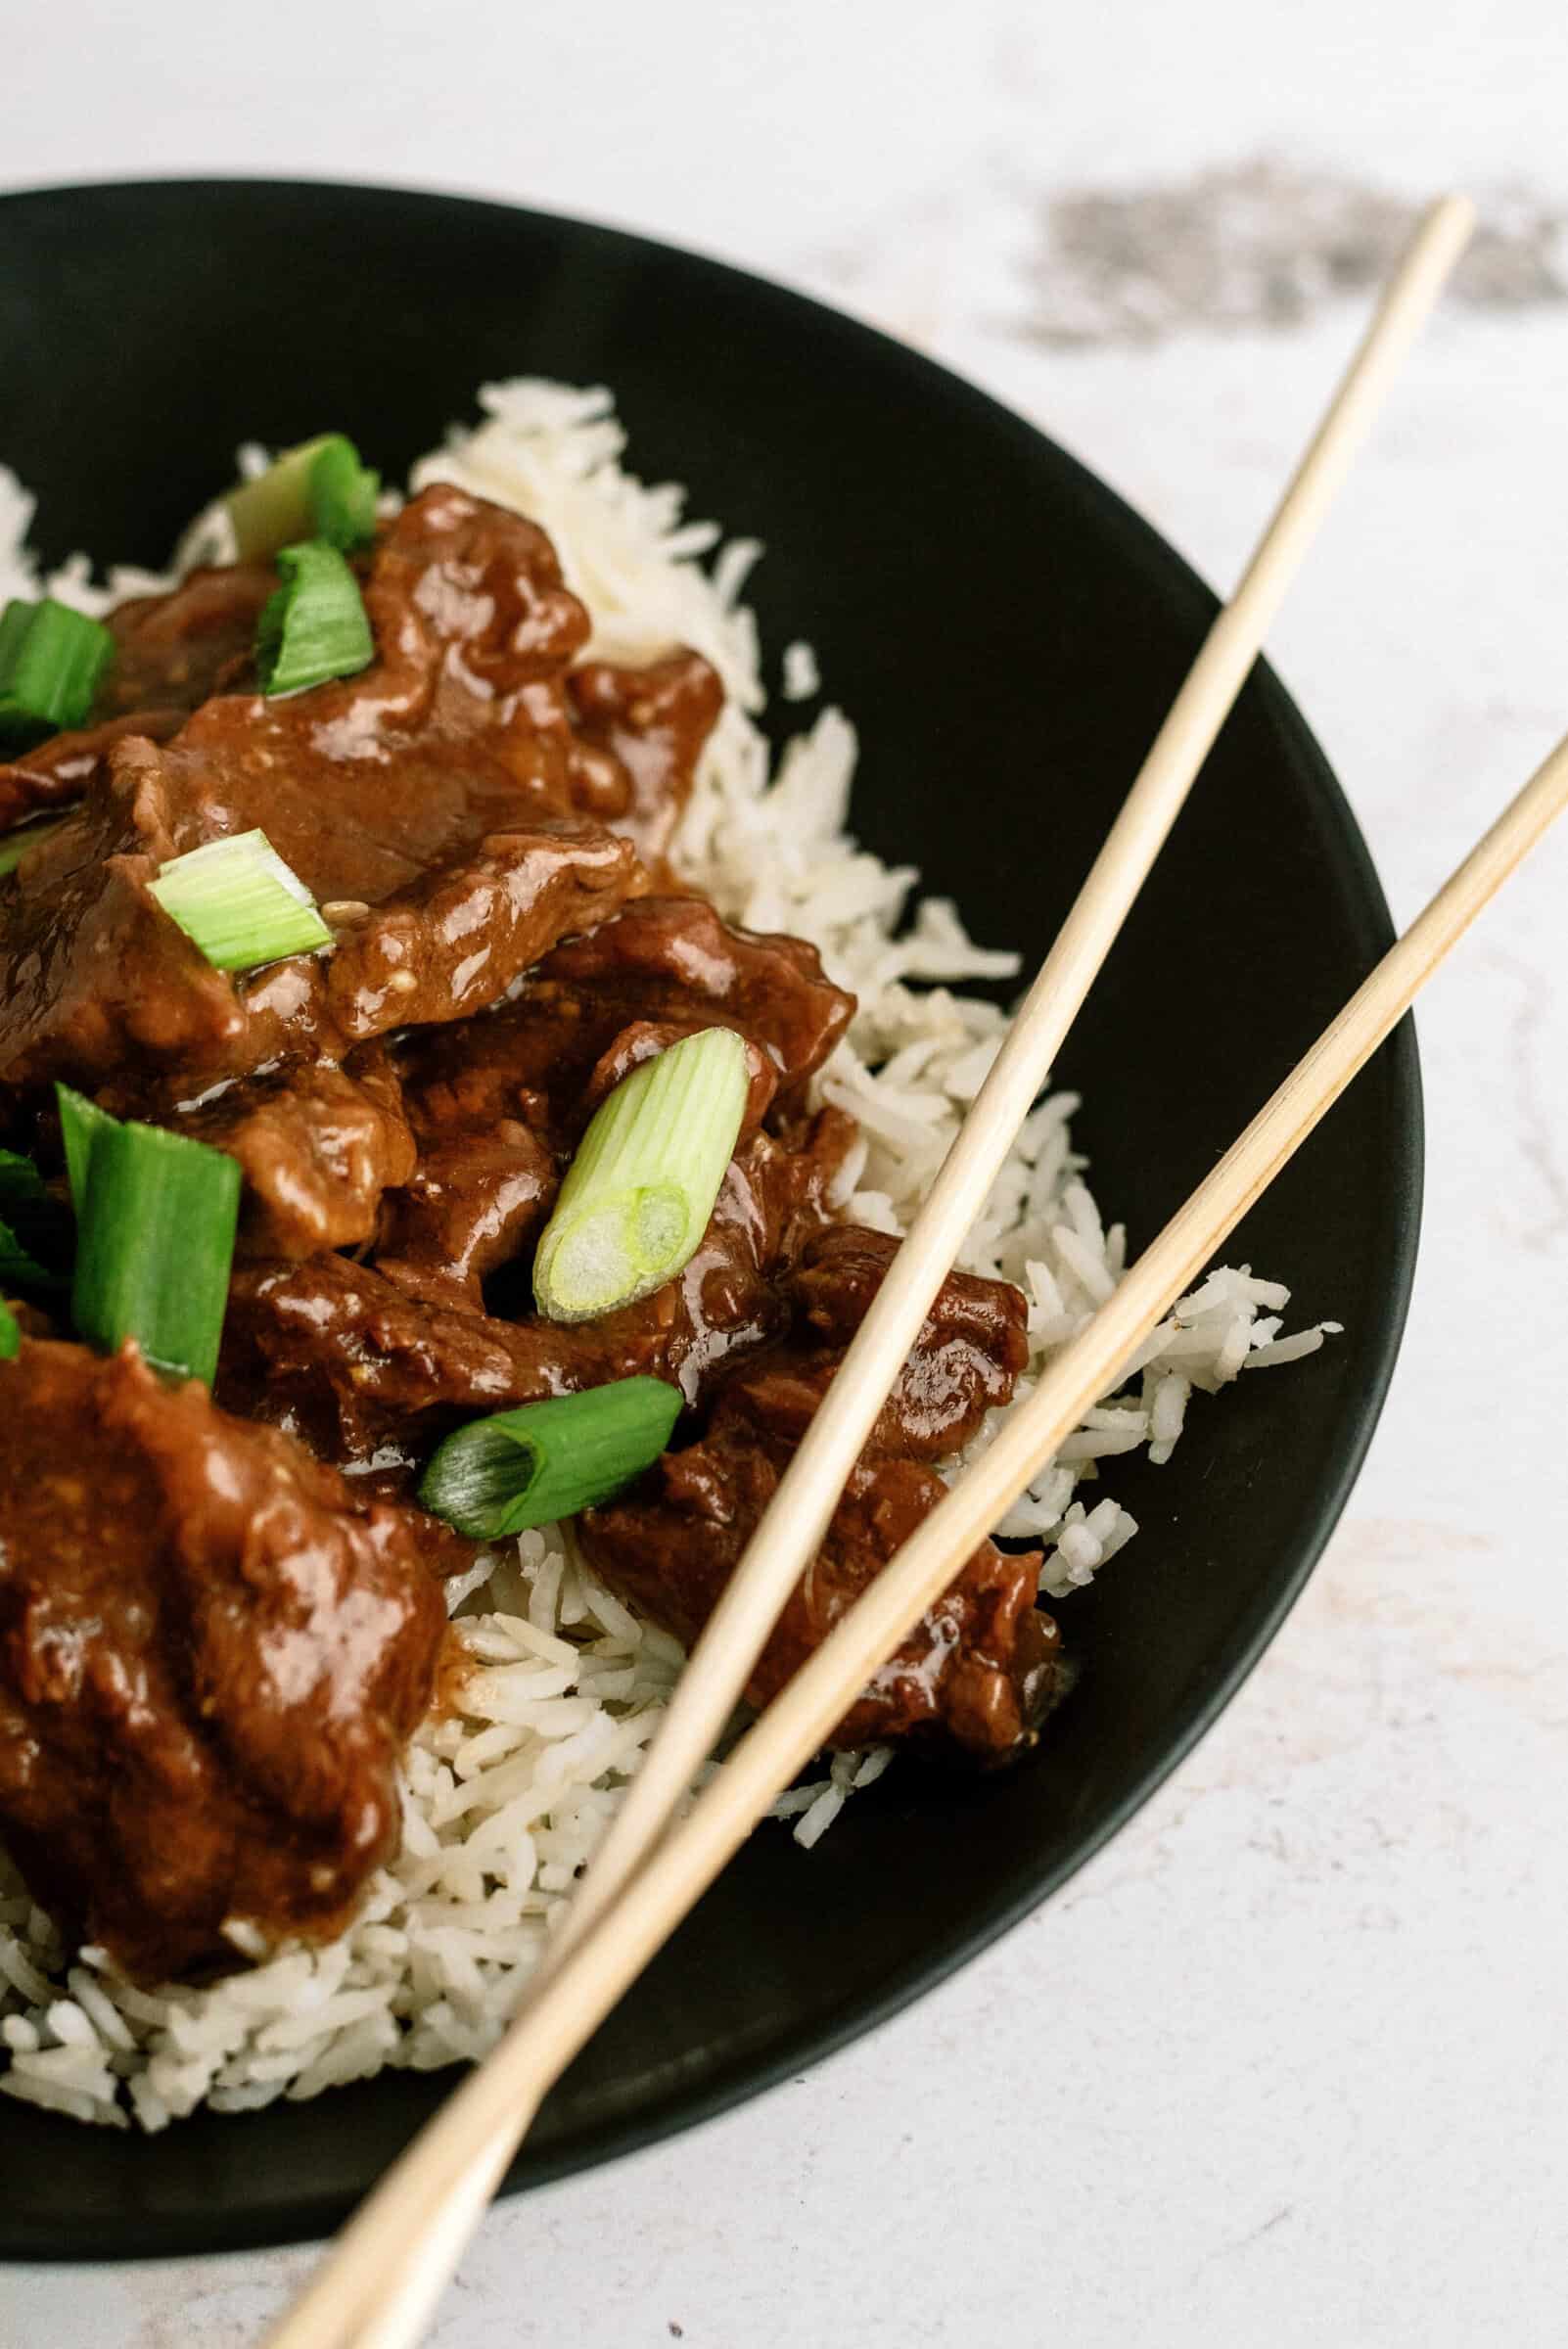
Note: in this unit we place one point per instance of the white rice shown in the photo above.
(504, 1800)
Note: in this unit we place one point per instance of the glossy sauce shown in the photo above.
(218, 1622)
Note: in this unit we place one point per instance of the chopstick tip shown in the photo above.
(1455, 213)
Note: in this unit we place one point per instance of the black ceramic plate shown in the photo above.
(1007, 635)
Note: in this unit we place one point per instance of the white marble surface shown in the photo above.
(1289, 2061)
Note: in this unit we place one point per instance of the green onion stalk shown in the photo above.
(317, 491)
(314, 626)
(638, 1195)
(547, 1460)
(52, 661)
(155, 1219)
(240, 903)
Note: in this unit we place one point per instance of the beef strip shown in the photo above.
(94, 979)
(371, 1372)
(429, 798)
(673, 958)
(639, 734)
(980, 1668)
(59, 772)
(499, 1103)
(977, 1672)
(967, 1361)
(211, 1654)
(475, 1201)
(454, 939)
(172, 652)
(317, 1145)
(176, 649)
(666, 963)
(95, 976)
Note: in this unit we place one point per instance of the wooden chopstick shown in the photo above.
(378, 2287)
(429, 2229)
(718, 1667)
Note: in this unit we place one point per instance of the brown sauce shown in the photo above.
(220, 1618)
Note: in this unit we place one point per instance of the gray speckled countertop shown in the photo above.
(1289, 2061)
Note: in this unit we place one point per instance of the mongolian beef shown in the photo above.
(221, 1608)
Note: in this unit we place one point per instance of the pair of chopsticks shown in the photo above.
(378, 2287)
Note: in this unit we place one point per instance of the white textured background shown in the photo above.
(1288, 2063)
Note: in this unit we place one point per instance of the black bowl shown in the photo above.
(1007, 635)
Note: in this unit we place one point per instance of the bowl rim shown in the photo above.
(1025, 1886)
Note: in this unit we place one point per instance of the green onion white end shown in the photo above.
(268, 512)
(638, 1195)
(240, 903)
(317, 491)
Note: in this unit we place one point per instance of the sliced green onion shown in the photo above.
(342, 496)
(9, 1335)
(317, 491)
(20, 1269)
(39, 1220)
(22, 1187)
(314, 626)
(15, 845)
(50, 660)
(81, 1122)
(548, 1460)
(637, 1196)
(156, 1217)
(276, 507)
(239, 901)
(34, 1235)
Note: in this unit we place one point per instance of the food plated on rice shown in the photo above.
(459, 1104)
